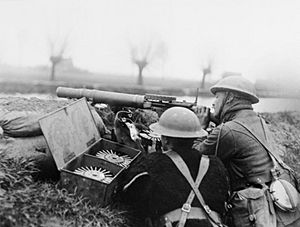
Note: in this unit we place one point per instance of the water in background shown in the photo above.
(264, 105)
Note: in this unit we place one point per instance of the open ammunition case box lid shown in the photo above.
(69, 131)
(89, 164)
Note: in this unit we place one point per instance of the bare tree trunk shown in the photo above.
(205, 72)
(140, 76)
(52, 76)
(203, 81)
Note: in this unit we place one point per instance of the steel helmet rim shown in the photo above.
(252, 97)
(248, 90)
(178, 122)
(155, 127)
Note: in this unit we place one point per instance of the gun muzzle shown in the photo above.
(97, 96)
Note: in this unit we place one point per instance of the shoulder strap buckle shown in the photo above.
(203, 167)
(275, 173)
(186, 207)
(207, 209)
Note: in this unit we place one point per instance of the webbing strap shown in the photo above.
(182, 167)
(218, 140)
(275, 158)
(203, 167)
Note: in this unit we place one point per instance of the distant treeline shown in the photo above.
(37, 80)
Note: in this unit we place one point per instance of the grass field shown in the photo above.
(27, 202)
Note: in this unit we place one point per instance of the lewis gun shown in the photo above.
(146, 101)
(155, 102)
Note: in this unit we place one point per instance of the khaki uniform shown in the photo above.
(247, 162)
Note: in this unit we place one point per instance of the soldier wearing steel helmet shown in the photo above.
(246, 160)
(158, 191)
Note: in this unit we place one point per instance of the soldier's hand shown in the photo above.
(203, 114)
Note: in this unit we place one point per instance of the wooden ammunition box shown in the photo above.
(89, 165)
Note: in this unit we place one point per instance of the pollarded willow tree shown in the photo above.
(206, 70)
(57, 51)
(146, 54)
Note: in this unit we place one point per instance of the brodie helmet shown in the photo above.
(178, 122)
(238, 84)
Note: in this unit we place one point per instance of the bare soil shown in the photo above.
(31, 104)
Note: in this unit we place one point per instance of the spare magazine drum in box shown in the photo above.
(89, 165)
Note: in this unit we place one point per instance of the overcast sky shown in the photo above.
(258, 38)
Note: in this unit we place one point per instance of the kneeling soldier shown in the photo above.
(238, 141)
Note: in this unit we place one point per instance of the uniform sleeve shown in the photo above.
(135, 182)
(226, 144)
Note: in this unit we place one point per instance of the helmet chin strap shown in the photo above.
(165, 151)
(221, 112)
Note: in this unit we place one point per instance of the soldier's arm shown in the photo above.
(135, 181)
(217, 143)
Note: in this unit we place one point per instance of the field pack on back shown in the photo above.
(283, 188)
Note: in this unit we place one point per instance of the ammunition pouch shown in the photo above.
(252, 207)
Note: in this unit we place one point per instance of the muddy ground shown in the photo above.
(26, 202)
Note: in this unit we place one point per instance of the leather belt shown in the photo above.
(255, 181)
(194, 213)
(260, 178)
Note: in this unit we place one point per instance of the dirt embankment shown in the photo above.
(285, 127)
(25, 202)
